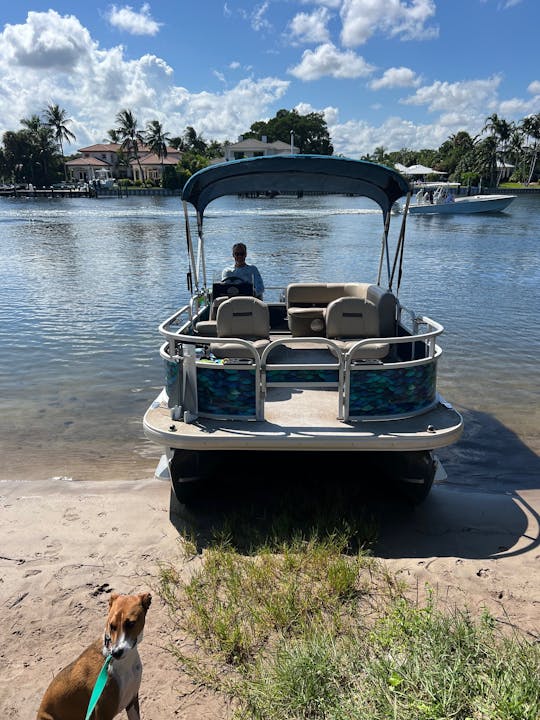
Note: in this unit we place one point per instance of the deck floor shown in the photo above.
(305, 419)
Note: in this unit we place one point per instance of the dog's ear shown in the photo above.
(113, 597)
(146, 599)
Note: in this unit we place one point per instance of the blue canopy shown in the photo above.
(295, 173)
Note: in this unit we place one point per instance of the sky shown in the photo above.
(391, 73)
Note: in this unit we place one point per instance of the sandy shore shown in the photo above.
(66, 545)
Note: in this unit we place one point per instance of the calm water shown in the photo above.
(84, 284)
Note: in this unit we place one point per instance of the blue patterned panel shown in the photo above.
(171, 378)
(392, 392)
(302, 376)
(226, 392)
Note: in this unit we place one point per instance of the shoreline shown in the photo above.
(68, 544)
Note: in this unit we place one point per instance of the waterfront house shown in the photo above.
(152, 166)
(109, 157)
(250, 147)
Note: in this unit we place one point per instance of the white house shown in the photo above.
(256, 148)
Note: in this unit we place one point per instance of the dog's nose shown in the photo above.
(117, 654)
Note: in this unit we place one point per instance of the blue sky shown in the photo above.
(396, 73)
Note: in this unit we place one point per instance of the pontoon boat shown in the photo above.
(329, 367)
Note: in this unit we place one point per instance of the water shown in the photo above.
(84, 284)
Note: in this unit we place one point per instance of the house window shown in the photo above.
(239, 155)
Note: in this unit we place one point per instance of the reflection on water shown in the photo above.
(84, 284)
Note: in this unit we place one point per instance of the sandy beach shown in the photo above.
(66, 545)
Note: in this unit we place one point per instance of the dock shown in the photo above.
(46, 193)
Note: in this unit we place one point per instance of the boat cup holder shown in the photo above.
(317, 325)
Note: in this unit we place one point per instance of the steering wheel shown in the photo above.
(232, 280)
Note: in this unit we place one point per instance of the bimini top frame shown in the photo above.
(292, 174)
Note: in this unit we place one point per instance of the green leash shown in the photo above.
(98, 687)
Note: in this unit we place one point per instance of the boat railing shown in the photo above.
(353, 378)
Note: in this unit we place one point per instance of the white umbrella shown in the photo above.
(421, 170)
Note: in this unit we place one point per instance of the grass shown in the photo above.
(303, 628)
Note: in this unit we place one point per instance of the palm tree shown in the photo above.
(130, 135)
(157, 140)
(501, 130)
(55, 118)
(41, 149)
(113, 136)
(531, 127)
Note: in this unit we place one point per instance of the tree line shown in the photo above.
(479, 159)
(35, 153)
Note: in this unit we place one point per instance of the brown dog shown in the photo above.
(68, 695)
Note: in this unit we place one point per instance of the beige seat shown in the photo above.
(350, 319)
(209, 327)
(241, 317)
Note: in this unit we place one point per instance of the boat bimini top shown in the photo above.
(298, 174)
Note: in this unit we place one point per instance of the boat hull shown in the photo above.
(465, 205)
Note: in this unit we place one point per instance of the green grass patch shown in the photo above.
(307, 630)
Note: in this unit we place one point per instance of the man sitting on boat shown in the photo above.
(247, 273)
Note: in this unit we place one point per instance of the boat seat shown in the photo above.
(208, 328)
(307, 303)
(350, 319)
(241, 317)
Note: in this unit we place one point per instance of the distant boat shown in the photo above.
(439, 199)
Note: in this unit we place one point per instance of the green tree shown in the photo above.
(131, 137)
(156, 140)
(194, 142)
(38, 159)
(114, 136)
(55, 118)
(531, 128)
(501, 130)
(308, 132)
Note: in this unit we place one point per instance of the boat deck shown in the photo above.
(305, 419)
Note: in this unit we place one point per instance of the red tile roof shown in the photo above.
(87, 162)
(103, 147)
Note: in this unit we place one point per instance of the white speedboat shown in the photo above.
(329, 367)
(439, 199)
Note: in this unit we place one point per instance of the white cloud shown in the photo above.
(327, 60)
(395, 77)
(94, 84)
(258, 20)
(325, 3)
(135, 23)
(363, 18)
(310, 28)
(234, 65)
(517, 107)
(46, 41)
(453, 97)
(534, 87)
(356, 137)
(330, 114)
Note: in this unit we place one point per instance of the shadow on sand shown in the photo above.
(478, 512)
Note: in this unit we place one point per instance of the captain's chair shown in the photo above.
(350, 319)
(241, 317)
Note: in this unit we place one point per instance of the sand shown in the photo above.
(66, 545)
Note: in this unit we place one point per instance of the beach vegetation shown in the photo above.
(313, 627)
